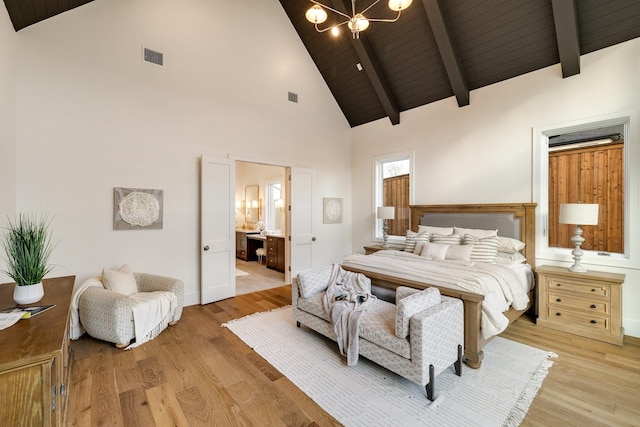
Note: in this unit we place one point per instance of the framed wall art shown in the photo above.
(137, 209)
(332, 210)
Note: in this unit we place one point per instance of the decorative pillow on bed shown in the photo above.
(447, 252)
(483, 249)
(475, 232)
(459, 253)
(434, 250)
(120, 281)
(509, 245)
(314, 281)
(507, 258)
(437, 230)
(413, 241)
(413, 304)
(448, 239)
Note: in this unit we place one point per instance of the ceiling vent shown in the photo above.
(153, 56)
(293, 97)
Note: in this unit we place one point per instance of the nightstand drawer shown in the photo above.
(572, 318)
(561, 284)
(588, 305)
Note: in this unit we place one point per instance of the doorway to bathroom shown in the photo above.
(260, 226)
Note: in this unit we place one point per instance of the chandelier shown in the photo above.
(356, 21)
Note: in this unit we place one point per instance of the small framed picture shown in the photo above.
(332, 210)
(137, 209)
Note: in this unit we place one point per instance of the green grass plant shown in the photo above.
(27, 247)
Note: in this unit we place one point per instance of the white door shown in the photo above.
(217, 225)
(301, 220)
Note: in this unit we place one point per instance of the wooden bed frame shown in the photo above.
(473, 340)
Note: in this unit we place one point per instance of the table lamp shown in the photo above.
(578, 214)
(385, 213)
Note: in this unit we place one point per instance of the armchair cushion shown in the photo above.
(121, 281)
(412, 304)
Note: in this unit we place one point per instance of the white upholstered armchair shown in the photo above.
(110, 315)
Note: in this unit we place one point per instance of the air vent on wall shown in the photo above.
(152, 56)
(293, 97)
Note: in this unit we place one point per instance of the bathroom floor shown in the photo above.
(259, 278)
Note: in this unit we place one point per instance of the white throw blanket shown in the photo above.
(346, 299)
(502, 286)
(152, 312)
(75, 328)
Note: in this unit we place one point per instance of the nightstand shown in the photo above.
(368, 250)
(586, 304)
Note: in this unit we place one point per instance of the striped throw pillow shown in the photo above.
(414, 241)
(485, 249)
(450, 239)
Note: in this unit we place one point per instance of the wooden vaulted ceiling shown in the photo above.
(444, 48)
(437, 49)
(27, 12)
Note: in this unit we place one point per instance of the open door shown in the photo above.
(217, 225)
(301, 220)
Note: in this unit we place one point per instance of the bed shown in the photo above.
(512, 220)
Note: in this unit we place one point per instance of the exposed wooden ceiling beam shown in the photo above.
(565, 18)
(448, 51)
(372, 67)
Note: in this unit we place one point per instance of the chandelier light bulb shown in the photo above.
(316, 15)
(358, 23)
(398, 5)
(335, 31)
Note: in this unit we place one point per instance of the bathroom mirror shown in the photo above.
(252, 203)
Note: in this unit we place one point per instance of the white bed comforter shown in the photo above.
(503, 286)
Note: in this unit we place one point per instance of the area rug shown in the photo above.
(241, 273)
(498, 394)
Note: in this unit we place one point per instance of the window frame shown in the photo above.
(629, 120)
(378, 190)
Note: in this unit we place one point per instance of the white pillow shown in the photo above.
(459, 253)
(475, 232)
(439, 230)
(434, 250)
(314, 281)
(120, 281)
(484, 249)
(507, 258)
(413, 241)
(411, 305)
(449, 239)
(509, 245)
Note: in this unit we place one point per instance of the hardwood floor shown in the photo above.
(199, 374)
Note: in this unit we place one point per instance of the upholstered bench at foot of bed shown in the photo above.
(435, 340)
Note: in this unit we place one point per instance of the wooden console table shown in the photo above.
(34, 359)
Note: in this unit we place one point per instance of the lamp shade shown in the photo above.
(386, 212)
(579, 213)
(398, 5)
(316, 15)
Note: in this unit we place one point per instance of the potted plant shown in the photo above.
(27, 248)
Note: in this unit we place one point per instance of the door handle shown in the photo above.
(206, 248)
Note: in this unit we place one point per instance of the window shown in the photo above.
(590, 161)
(275, 205)
(393, 187)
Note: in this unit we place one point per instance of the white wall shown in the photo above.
(7, 116)
(482, 153)
(91, 115)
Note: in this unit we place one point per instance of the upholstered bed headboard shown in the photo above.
(516, 220)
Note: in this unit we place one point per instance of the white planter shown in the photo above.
(28, 294)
